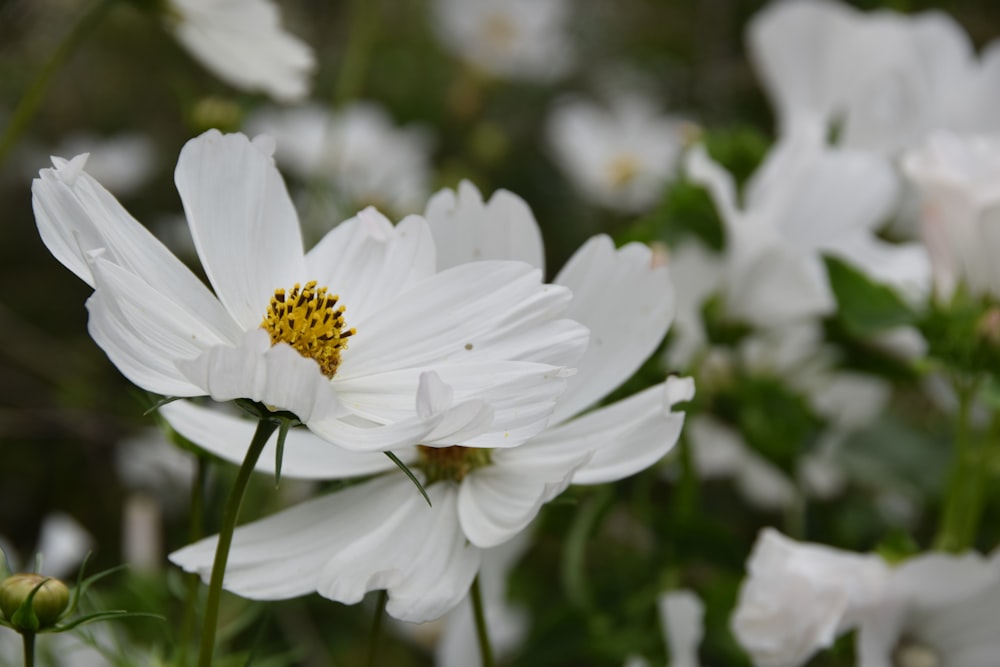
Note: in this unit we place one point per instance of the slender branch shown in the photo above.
(963, 502)
(265, 428)
(32, 98)
(485, 650)
(373, 639)
(354, 61)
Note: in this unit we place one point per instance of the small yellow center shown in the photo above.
(309, 319)
(622, 170)
(451, 463)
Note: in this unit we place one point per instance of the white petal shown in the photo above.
(481, 311)
(368, 262)
(627, 305)
(520, 395)
(77, 216)
(704, 171)
(275, 375)
(306, 456)
(242, 220)
(466, 229)
(682, 616)
(63, 544)
(380, 534)
(143, 332)
(625, 437)
(244, 44)
(498, 501)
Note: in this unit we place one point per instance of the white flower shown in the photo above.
(887, 78)
(381, 534)
(621, 157)
(937, 609)
(122, 162)
(516, 39)
(62, 542)
(358, 150)
(804, 202)
(682, 621)
(242, 42)
(799, 597)
(476, 353)
(959, 183)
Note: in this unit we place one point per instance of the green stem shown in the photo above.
(383, 595)
(364, 21)
(686, 504)
(196, 529)
(32, 98)
(963, 502)
(265, 427)
(29, 648)
(485, 650)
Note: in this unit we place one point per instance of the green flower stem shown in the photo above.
(265, 427)
(354, 62)
(196, 530)
(29, 648)
(373, 640)
(687, 500)
(32, 98)
(963, 504)
(485, 650)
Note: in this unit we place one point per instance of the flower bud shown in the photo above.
(48, 604)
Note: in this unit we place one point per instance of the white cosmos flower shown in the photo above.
(959, 183)
(621, 157)
(357, 150)
(804, 202)
(381, 533)
(517, 39)
(473, 354)
(937, 610)
(887, 78)
(799, 597)
(243, 43)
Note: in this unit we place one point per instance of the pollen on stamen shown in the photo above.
(309, 319)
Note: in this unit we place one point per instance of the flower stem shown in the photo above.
(354, 62)
(29, 648)
(32, 98)
(265, 427)
(485, 650)
(196, 530)
(380, 601)
(963, 502)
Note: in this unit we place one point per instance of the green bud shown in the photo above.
(48, 604)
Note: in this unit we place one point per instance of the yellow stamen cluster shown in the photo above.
(451, 463)
(309, 319)
(622, 170)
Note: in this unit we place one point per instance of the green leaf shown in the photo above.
(863, 306)
(413, 478)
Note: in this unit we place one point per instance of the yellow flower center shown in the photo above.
(622, 170)
(451, 463)
(309, 319)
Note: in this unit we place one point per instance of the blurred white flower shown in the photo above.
(410, 374)
(621, 157)
(804, 202)
(381, 534)
(515, 39)
(959, 183)
(358, 151)
(936, 609)
(682, 621)
(886, 78)
(243, 43)
(62, 543)
(122, 162)
(799, 597)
